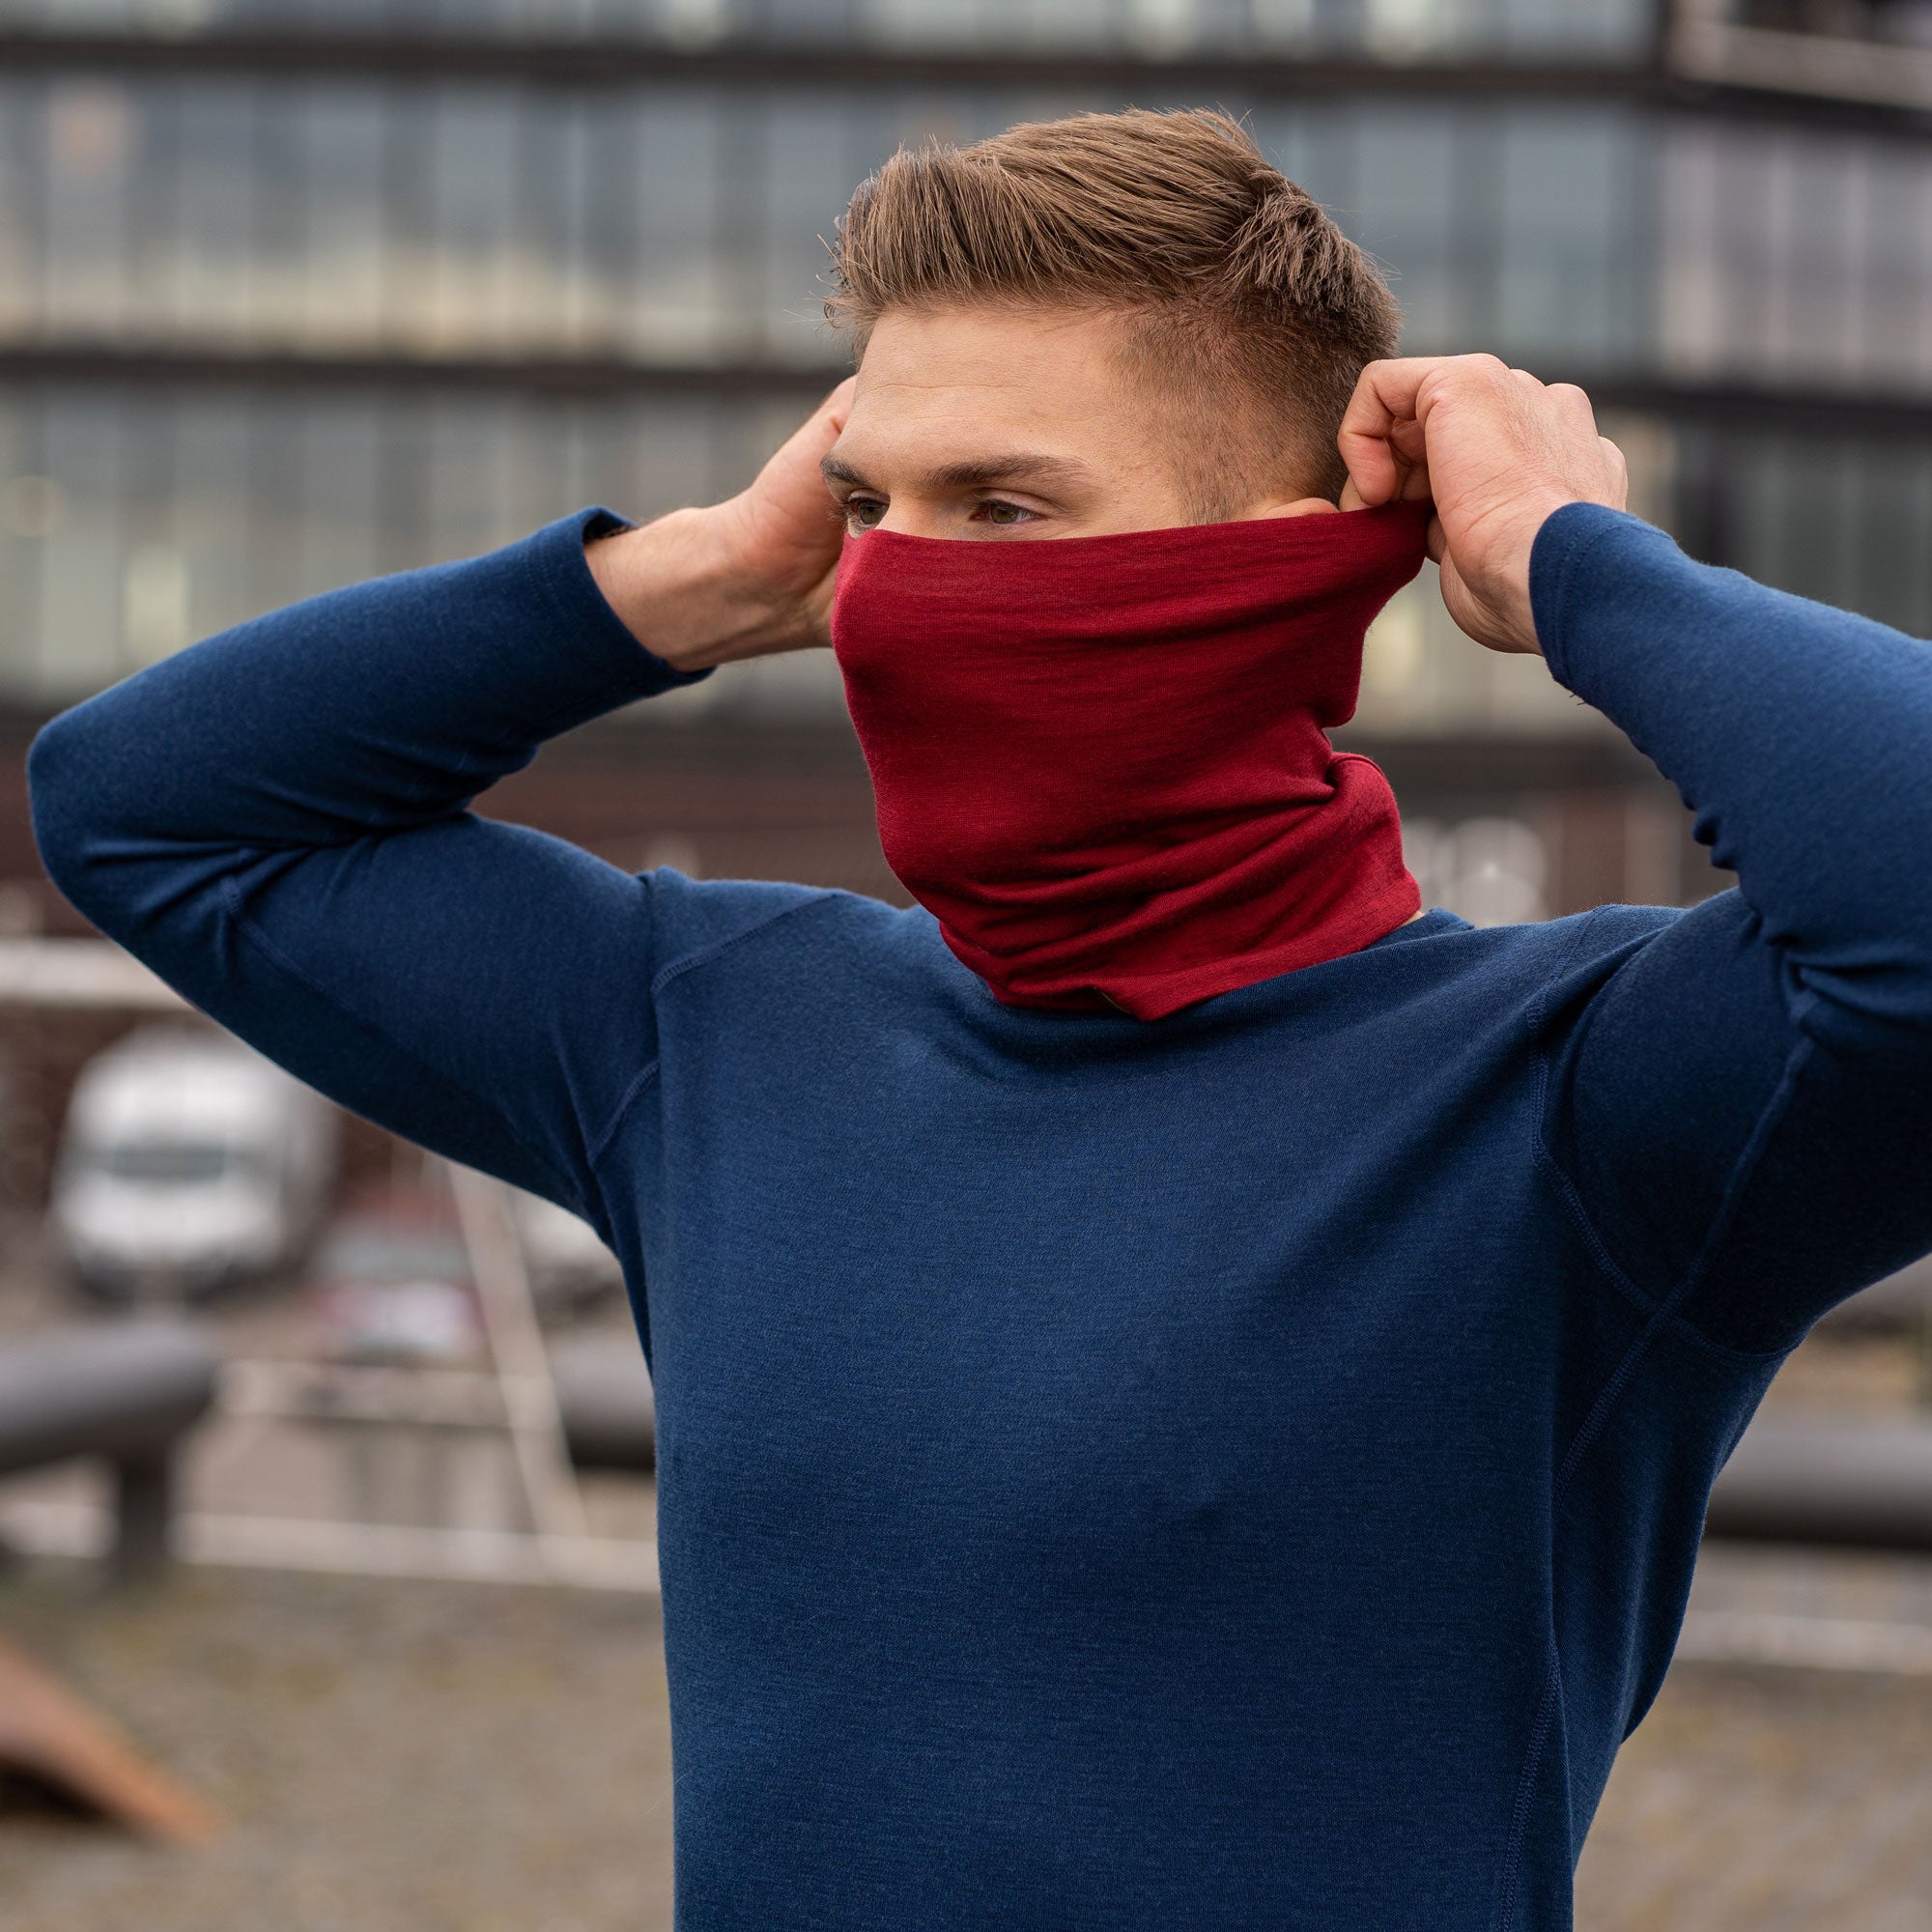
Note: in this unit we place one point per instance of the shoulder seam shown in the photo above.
(640, 1080)
(703, 956)
(1666, 1310)
(684, 963)
(264, 944)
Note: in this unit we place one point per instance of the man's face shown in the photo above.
(1009, 425)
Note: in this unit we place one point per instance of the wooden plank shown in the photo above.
(50, 1735)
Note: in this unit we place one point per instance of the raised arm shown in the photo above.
(278, 822)
(1745, 1104)
(1741, 1097)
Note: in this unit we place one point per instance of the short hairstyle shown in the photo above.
(1242, 300)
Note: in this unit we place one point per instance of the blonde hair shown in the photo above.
(1231, 281)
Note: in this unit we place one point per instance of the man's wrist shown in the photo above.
(1509, 587)
(677, 585)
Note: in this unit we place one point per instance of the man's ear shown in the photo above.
(1299, 506)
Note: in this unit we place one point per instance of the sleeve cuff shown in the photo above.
(619, 669)
(1573, 542)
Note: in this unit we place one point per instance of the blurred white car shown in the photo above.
(188, 1161)
(392, 1284)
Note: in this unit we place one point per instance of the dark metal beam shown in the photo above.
(1866, 415)
(628, 61)
(1862, 415)
(298, 55)
(556, 376)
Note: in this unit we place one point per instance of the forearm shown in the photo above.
(274, 821)
(680, 588)
(378, 707)
(1798, 734)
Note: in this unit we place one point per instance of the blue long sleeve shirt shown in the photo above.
(1238, 1471)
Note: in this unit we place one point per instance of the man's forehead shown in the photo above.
(993, 397)
(1007, 392)
(1016, 364)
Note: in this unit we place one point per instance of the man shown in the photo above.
(1187, 1391)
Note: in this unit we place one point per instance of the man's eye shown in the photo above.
(863, 513)
(997, 512)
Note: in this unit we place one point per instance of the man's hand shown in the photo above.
(744, 578)
(1496, 451)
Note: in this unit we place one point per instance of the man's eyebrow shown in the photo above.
(1009, 468)
(980, 472)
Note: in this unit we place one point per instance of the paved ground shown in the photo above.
(1768, 1800)
(394, 1757)
(444, 1758)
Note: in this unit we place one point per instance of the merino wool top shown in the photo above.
(1236, 1471)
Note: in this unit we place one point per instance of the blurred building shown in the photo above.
(293, 292)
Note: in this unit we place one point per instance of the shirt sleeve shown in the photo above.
(276, 821)
(1741, 1098)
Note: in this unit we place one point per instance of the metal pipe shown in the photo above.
(1861, 1485)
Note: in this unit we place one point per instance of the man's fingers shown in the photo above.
(839, 401)
(1383, 422)
(1363, 438)
(1385, 400)
(835, 408)
(817, 433)
(1493, 449)
(821, 428)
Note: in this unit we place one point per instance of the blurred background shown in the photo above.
(293, 294)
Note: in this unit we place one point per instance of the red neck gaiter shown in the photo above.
(1103, 763)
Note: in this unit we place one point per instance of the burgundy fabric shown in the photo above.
(1103, 763)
